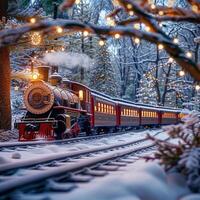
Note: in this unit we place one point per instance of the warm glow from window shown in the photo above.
(80, 94)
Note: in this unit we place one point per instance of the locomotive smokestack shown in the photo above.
(44, 73)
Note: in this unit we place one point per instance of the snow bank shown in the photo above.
(8, 135)
(142, 181)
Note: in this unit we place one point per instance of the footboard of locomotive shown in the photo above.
(36, 129)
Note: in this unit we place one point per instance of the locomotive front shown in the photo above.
(50, 112)
(38, 98)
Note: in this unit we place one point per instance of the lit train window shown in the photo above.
(101, 107)
(95, 108)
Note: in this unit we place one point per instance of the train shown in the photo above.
(57, 108)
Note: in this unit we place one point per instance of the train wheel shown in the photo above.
(60, 130)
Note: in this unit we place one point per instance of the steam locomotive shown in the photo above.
(57, 108)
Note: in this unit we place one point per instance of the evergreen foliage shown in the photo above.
(102, 75)
(183, 155)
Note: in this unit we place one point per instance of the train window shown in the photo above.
(95, 108)
(101, 107)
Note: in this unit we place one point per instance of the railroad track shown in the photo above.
(61, 170)
(14, 145)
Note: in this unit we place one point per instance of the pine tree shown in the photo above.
(102, 75)
(146, 92)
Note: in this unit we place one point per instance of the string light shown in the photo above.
(161, 13)
(59, 29)
(137, 40)
(117, 36)
(153, 6)
(131, 13)
(170, 60)
(116, 2)
(182, 73)
(189, 54)
(36, 38)
(32, 20)
(110, 21)
(147, 28)
(101, 42)
(195, 8)
(85, 33)
(129, 6)
(136, 26)
(77, 1)
(160, 46)
(197, 87)
(175, 40)
(62, 49)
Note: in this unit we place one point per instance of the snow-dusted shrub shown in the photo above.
(183, 152)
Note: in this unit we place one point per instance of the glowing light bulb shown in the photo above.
(32, 20)
(62, 49)
(136, 26)
(59, 29)
(197, 87)
(35, 76)
(195, 8)
(137, 40)
(117, 36)
(77, 1)
(129, 6)
(85, 33)
(170, 60)
(101, 42)
(189, 54)
(147, 28)
(161, 13)
(182, 73)
(175, 40)
(36, 38)
(131, 13)
(160, 46)
(153, 6)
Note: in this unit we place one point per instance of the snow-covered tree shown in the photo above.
(102, 75)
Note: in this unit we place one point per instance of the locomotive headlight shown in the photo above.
(35, 76)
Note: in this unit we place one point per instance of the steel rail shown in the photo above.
(61, 156)
(64, 141)
(55, 172)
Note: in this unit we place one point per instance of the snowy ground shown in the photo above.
(8, 135)
(20, 154)
(137, 181)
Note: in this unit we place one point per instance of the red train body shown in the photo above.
(57, 112)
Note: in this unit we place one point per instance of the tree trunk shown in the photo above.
(5, 105)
